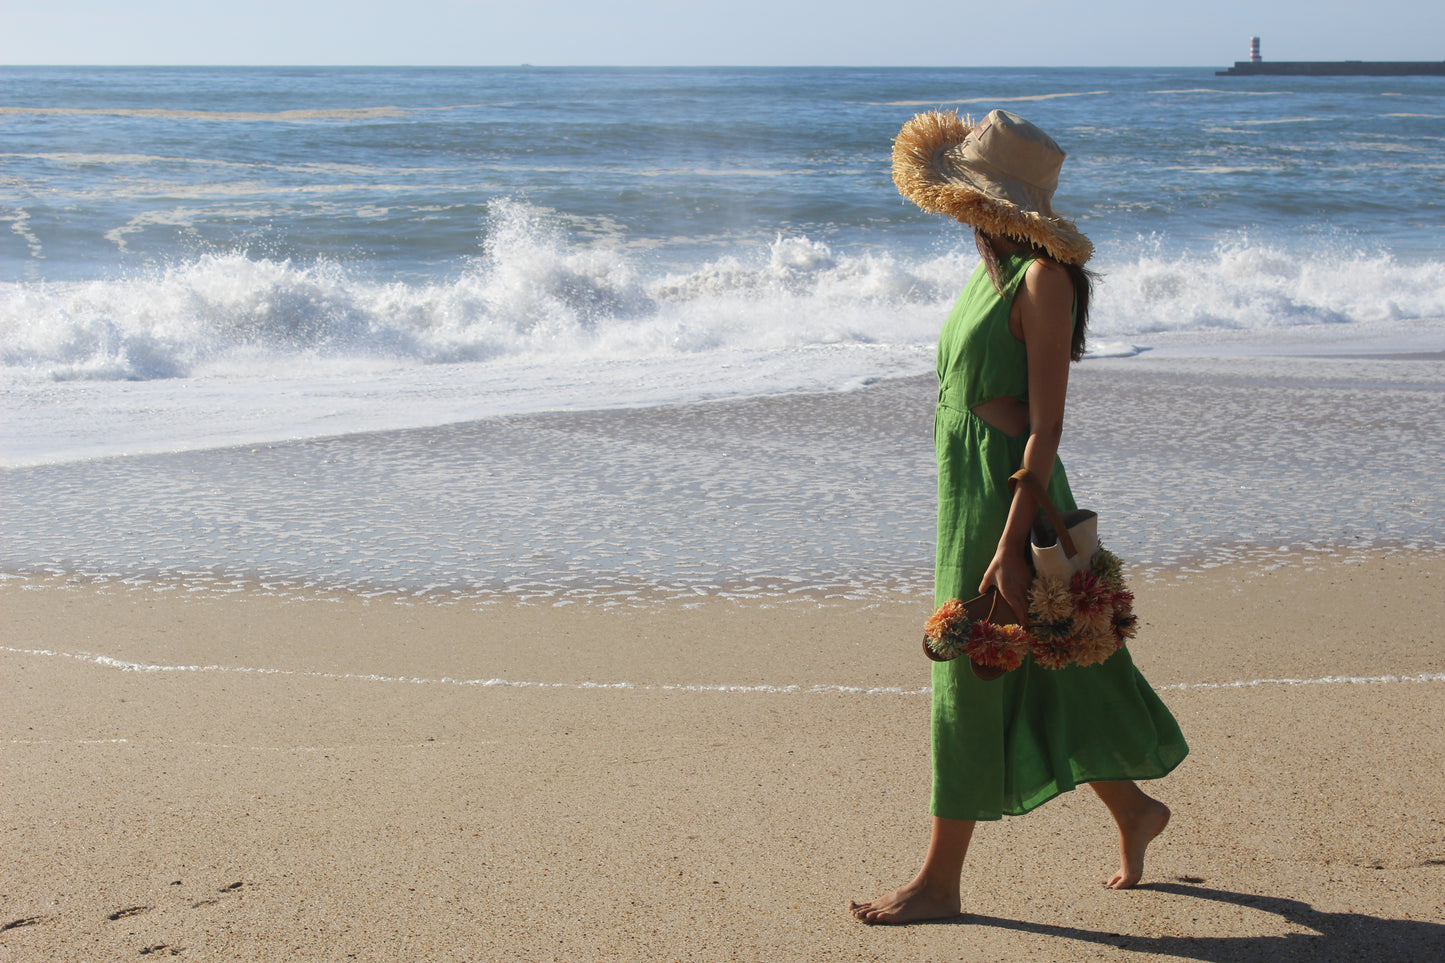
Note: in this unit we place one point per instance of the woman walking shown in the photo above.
(1007, 746)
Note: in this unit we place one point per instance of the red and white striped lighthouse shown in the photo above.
(1254, 50)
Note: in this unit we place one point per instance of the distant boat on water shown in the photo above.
(1256, 66)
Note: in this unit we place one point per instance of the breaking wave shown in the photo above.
(537, 293)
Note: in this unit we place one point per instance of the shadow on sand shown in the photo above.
(1336, 937)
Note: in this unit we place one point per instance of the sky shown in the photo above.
(1124, 33)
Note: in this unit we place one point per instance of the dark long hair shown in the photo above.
(1082, 279)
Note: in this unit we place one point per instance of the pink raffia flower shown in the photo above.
(1091, 594)
(997, 646)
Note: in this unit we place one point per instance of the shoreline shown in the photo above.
(249, 776)
(143, 401)
(584, 638)
(1245, 558)
(1192, 463)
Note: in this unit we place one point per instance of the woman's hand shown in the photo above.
(1011, 574)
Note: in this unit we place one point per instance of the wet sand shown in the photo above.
(326, 777)
(1191, 461)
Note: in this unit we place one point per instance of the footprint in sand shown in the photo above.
(25, 921)
(224, 889)
(129, 911)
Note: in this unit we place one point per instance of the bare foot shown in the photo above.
(1136, 831)
(913, 903)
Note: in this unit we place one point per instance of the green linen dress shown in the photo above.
(1010, 745)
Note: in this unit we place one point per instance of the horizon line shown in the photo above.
(622, 66)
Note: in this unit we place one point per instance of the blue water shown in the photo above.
(196, 258)
(394, 170)
(162, 220)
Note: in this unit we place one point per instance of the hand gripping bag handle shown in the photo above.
(1026, 478)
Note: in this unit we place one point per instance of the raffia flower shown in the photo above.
(997, 646)
(1098, 619)
(1120, 595)
(1050, 655)
(1095, 645)
(1052, 632)
(1126, 627)
(1107, 566)
(1050, 600)
(947, 629)
(1091, 595)
(944, 618)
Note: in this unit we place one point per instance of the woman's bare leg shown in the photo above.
(1140, 817)
(934, 892)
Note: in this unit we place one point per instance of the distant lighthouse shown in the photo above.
(1256, 67)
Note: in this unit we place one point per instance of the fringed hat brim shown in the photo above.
(920, 178)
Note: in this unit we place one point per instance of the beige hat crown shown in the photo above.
(999, 176)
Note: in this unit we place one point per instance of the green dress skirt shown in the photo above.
(1010, 745)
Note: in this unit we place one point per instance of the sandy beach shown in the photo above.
(488, 514)
(266, 703)
(332, 778)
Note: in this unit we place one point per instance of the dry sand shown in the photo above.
(365, 797)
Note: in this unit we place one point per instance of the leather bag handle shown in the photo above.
(1026, 478)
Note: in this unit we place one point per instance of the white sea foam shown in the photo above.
(1218, 91)
(812, 688)
(282, 116)
(995, 100)
(1283, 120)
(1262, 289)
(226, 349)
(20, 224)
(531, 294)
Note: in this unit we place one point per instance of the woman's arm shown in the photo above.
(1044, 308)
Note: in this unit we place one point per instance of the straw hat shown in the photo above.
(998, 176)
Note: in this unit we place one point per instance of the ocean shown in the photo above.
(348, 327)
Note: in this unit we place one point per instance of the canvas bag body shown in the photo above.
(1048, 553)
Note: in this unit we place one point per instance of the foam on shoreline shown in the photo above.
(1193, 462)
